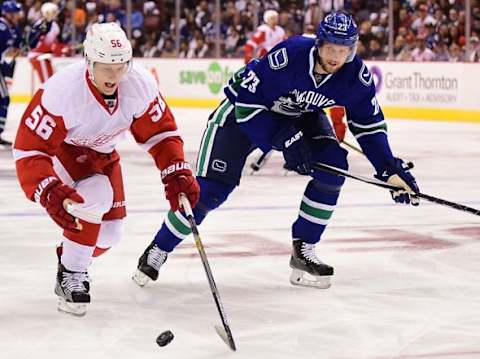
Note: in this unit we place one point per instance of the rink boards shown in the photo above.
(428, 91)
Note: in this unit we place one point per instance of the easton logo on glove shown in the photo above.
(294, 139)
(179, 166)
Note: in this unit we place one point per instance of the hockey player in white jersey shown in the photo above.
(66, 159)
(265, 37)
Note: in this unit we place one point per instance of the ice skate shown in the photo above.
(307, 269)
(72, 289)
(149, 264)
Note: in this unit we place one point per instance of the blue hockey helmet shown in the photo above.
(338, 28)
(11, 6)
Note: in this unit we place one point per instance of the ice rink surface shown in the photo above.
(406, 284)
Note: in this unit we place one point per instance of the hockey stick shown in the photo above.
(378, 183)
(225, 333)
(263, 158)
(260, 162)
(355, 148)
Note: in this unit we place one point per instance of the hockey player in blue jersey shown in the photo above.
(10, 39)
(278, 103)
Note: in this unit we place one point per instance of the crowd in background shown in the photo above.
(424, 30)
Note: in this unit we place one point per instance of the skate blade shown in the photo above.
(76, 309)
(140, 278)
(305, 279)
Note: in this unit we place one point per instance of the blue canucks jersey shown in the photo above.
(282, 86)
(10, 36)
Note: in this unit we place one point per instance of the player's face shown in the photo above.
(333, 56)
(273, 21)
(108, 76)
(14, 17)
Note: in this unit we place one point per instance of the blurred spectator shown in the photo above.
(151, 17)
(149, 49)
(374, 51)
(314, 13)
(183, 51)
(240, 5)
(203, 14)
(296, 19)
(440, 51)
(422, 19)
(453, 17)
(455, 53)
(474, 51)
(476, 16)
(113, 11)
(168, 50)
(443, 35)
(80, 19)
(439, 16)
(153, 21)
(271, 5)
(193, 44)
(421, 52)
(34, 12)
(365, 33)
(404, 18)
(401, 50)
(361, 51)
(454, 33)
(329, 6)
(231, 41)
(199, 50)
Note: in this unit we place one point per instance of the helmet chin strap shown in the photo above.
(90, 70)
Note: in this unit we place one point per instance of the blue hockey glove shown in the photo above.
(296, 152)
(398, 174)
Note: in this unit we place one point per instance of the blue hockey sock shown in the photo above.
(316, 208)
(175, 227)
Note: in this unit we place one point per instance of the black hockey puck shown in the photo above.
(164, 338)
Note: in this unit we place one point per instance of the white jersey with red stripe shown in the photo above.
(264, 39)
(47, 42)
(69, 108)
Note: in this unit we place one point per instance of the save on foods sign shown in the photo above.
(213, 78)
(200, 79)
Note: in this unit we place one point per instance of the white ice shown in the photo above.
(406, 284)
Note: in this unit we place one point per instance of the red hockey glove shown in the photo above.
(51, 193)
(178, 178)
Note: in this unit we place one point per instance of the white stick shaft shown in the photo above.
(185, 204)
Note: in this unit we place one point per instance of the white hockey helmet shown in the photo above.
(49, 11)
(108, 44)
(267, 15)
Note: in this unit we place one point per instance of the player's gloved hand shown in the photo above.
(53, 196)
(398, 174)
(178, 178)
(296, 152)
